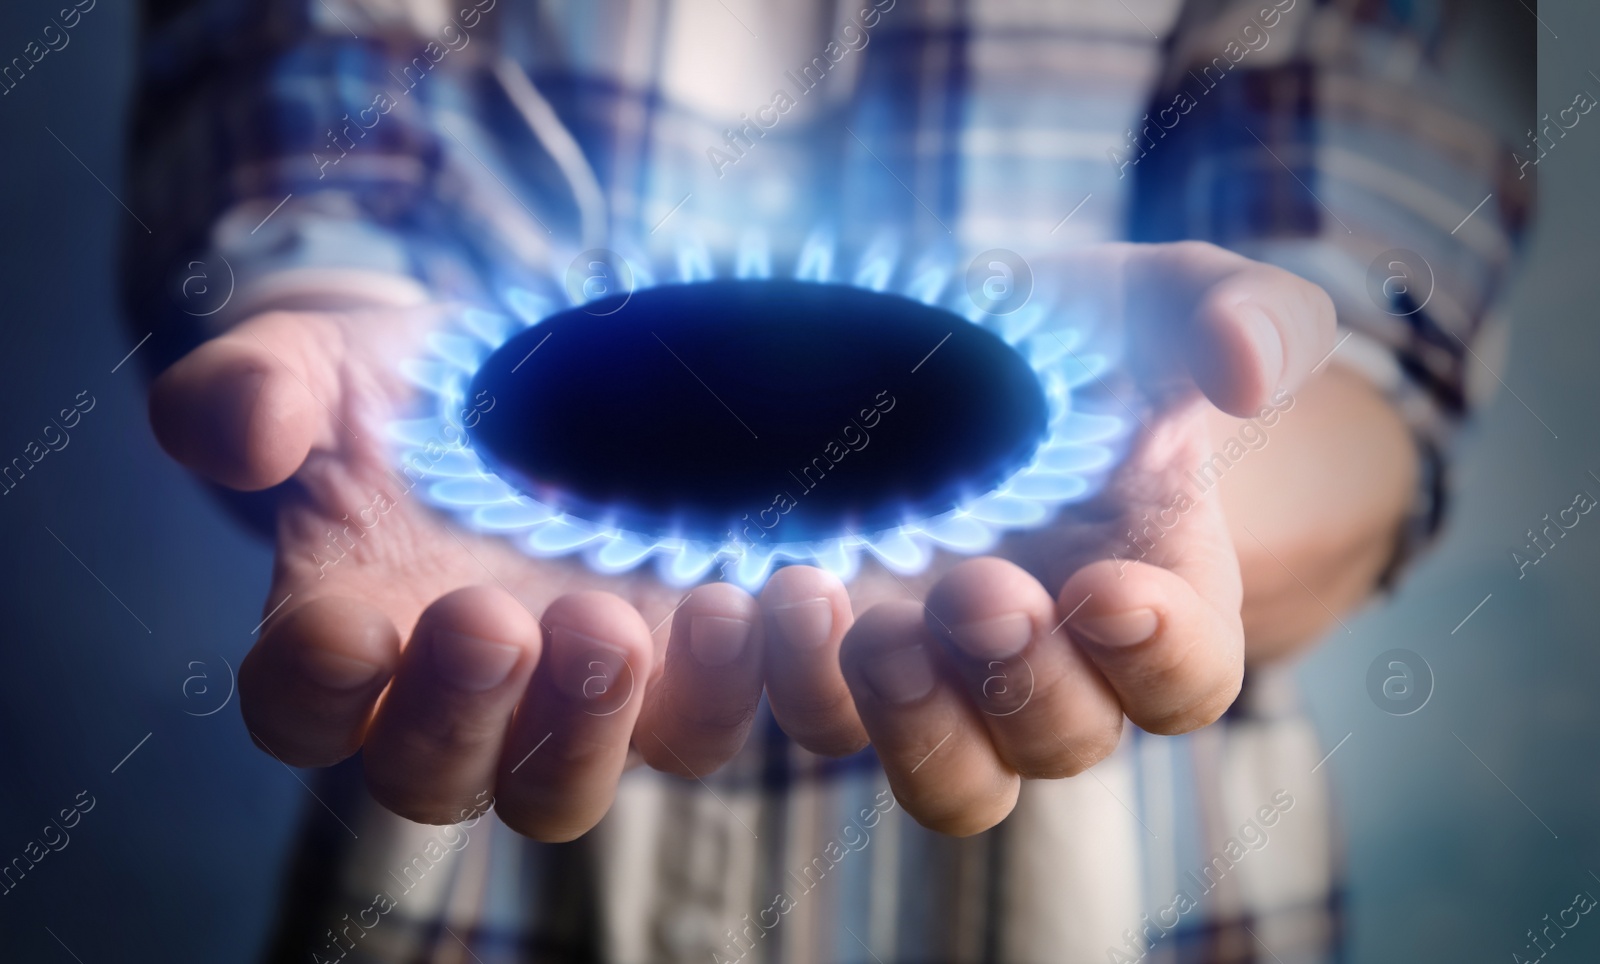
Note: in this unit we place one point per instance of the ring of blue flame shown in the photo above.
(1069, 465)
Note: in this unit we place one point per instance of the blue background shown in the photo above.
(182, 854)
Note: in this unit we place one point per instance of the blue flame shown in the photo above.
(1077, 452)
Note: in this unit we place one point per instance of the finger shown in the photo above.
(1166, 632)
(1238, 329)
(934, 749)
(1048, 710)
(434, 744)
(568, 744)
(307, 689)
(805, 612)
(697, 715)
(1257, 331)
(245, 408)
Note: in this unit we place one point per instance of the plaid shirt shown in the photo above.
(391, 151)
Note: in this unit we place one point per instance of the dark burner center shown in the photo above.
(775, 410)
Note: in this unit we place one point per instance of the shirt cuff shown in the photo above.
(317, 254)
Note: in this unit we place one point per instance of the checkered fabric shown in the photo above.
(390, 151)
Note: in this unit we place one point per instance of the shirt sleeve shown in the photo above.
(309, 152)
(1323, 138)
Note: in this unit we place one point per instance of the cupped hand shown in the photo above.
(1024, 664)
(456, 664)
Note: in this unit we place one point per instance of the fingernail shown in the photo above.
(717, 640)
(901, 676)
(589, 670)
(473, 664)
(806, 624)
(1266, 341)
(338, 672)
(1123, 629)
(1000, 637)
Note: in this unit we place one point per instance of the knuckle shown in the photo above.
(543, 824)
(693, 753)
(823, 724)
(720, 717)
(284, 747)
(405, 801)
(439, 732)
(1075, 753)
(1201, 711)
(274, 318)
(838, 740)
(690, 767)
(576, 755)
(809, 708)
(1198, 249)
(686, 709)
(965, 816)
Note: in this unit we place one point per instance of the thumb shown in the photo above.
(1256, 331)
(1208, 318)
(245, 408)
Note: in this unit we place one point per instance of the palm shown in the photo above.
(354, 527)
(350, 527)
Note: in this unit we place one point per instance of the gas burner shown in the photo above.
(725, 426)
